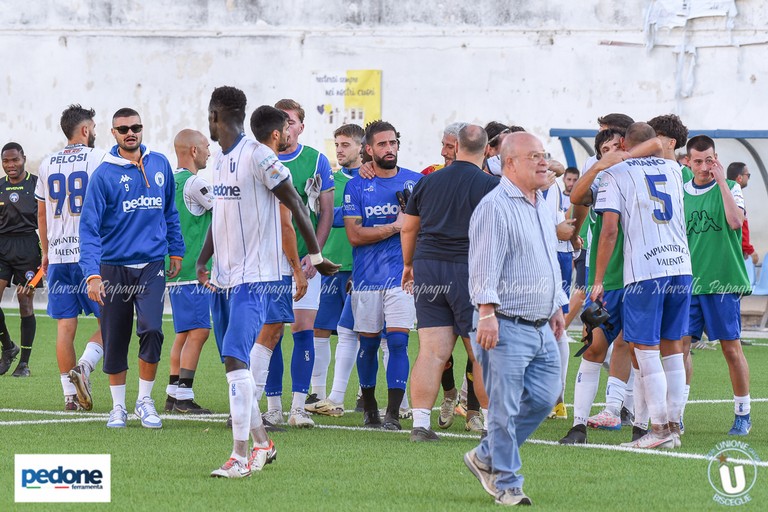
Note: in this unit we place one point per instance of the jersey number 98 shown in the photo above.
(70, 189)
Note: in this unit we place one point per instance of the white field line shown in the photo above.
(94, 417)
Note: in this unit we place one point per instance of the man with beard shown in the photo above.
(373, 219)
(62, 180)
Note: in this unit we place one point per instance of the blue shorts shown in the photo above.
(190, 304)
(657, 309)
(347, 319)
(280, 301)
(333, 294)
(238, 314)
(565, 259)
(613, 302)
(719, 313)
(67, 292)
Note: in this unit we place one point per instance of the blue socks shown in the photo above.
(274, 385)
(368, 360)
(302, 360)
(398, 367)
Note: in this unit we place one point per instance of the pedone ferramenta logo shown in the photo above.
(732, 472)
(57, 478)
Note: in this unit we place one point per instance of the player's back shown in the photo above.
(62, 181)
(647, 193)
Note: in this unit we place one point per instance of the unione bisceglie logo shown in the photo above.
(732, 472)
(57, 478)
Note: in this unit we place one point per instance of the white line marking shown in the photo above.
(210, 419)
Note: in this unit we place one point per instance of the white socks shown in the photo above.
(615, 392)
(629, 400)
(91, 356)
(346, 353)
(641, 409)
(741, 405)
(584, 391)
(260, 356)
(145, 389)
(118, 395)
(275, 403)
(298, 401)
(256, 421)
(562, 347)
(655, 383)
(421, 418)
(240, 386)
(67, 386)
(185, 393)
(674, 369)
(320, 369)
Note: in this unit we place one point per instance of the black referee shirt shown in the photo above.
(18, 206)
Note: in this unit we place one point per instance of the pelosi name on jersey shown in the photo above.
(68, 156)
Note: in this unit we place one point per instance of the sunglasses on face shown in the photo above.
(135, 128)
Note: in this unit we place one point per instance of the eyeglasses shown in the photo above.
(535, 157)
(746, 174)
(135, 128)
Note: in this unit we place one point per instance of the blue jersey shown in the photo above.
(379, 265)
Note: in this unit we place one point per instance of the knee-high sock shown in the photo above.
(320, 369)
(302, 360)
(384, 351)
(562, 347)
(447, 381)
(28, 329)
(640, 409)
(260, 359)
(629, 399)
(615, 391)
(240, 402)
(91, 356)
(256, 421)
(346, 353)
(397, 371)
(655, 384)
(473, 404)
(368, 360)
(584, 390)
(274, 387)
(5, 338)
(686, 394)
(674, 369)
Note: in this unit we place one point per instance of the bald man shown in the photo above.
(189, 300)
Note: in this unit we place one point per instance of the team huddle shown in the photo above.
(480, 248)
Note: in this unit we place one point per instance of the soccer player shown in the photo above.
(189, 300)
(373, 220)
(333, 297)
(248, 183)
(738, 172)
(129, 224)
(62, 181)
(20, 255)
(714, 209)
(435, 243)
(448, 150)
(313, 180)
(657, 277)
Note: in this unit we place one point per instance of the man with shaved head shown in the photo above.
(515, 284)
(189, 299)
(435, 240)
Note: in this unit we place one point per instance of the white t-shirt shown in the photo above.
(198, 195)
(647, 193)
(61, 183)
(246, 215)
(554, 201)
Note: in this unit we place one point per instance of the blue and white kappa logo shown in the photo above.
(56, 478)
(14, 197)
(159, 179)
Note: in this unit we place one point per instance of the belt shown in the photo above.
(520, 320)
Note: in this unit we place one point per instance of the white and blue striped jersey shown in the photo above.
(246, 216)
(62, 181)
(647, 193)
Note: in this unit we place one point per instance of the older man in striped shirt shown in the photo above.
(514, 281)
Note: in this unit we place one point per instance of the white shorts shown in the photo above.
(371, 308)
(312, 298)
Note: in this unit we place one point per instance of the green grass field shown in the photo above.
(338, 466)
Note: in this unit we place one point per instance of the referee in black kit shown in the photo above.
(19, 253)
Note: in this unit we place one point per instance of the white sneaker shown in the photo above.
(445, 418)
(146, 412)
(117, 417)
(651, 440)
(300, 418)
(233, 468)
(273, 417)
(605, 420)
(326, 408)
(260, 457)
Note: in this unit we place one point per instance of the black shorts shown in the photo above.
(581, 270)
(441, 291)
(20, 258)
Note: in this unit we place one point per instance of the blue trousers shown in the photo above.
(522, 378)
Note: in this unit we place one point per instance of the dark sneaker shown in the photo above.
(7, 358)
(189, 407)
(371, 419)
(626, 417)
(577, 435)
(391, 423)
(359, 405)
(421, 434)
(311, 399)
(22, 370)
(513, 496)
(169, 403)
(229, 421)
(82, 384)
(71, 403)
(637, 433)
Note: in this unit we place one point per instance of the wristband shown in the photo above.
(95, 276)
(316, 259)
(486, 317)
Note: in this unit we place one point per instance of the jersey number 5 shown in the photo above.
(664, 214)
(71, 189)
